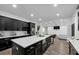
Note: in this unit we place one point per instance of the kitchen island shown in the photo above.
(32, 45)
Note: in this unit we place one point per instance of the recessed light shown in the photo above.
(58, 14)
(40, 19)
(50, 22)
(32, 14)
(55, 5)
(14, 5)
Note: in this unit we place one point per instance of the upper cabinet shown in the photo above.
(2, 23)
(10, 24)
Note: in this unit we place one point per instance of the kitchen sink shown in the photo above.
(41, 35)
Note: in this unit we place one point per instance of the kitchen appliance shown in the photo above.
(56, 27)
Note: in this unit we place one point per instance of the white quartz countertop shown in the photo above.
(27, 41)
(75, 44)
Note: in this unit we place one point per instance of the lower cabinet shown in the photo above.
(72, 50)
(5, 44)
(35, 49)
(44, 46)
(48, 41)
(38, 48)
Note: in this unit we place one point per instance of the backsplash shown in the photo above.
(12, 33)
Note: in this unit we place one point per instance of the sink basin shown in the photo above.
(77, 39)
(41, 36)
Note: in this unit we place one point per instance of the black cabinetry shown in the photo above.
(37, 48)
(44, 45)
(25, 26)
(10, 24)
(5, 43)
(48, 40)
(31, 28)
(18, 50)
(2, 23)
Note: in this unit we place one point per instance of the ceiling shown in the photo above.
(46, 12)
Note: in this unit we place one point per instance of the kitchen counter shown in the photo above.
(27, 41)
(5, 40)
(75, 44)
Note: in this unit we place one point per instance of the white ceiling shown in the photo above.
(45, 11)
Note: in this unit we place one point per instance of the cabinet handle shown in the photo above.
(31, 47)
(16, 48)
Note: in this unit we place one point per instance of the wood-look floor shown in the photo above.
(60, 47)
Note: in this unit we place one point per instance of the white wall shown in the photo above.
(61, 31)
(65, 25)
(75, 19)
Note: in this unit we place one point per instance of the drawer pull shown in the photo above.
(16, 48)
(31, 47)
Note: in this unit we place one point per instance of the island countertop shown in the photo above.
(75, 44)
(27, 41)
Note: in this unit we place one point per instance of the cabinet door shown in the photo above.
(24, 26)
(15, 25)
(17, 50)
(32, 28)
(7, 23)
(2, 23)
(38, 48)
(30, 50)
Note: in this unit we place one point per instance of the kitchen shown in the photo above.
(39, 29)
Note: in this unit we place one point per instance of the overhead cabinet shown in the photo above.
(10, 24)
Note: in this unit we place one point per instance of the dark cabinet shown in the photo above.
(46, 43)
(5, 44)
(31, 28)
(18, 50)
(38, 48)
(35, 49)
(6, 23)
(2, 23)
(10, 24)
(25, 26)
